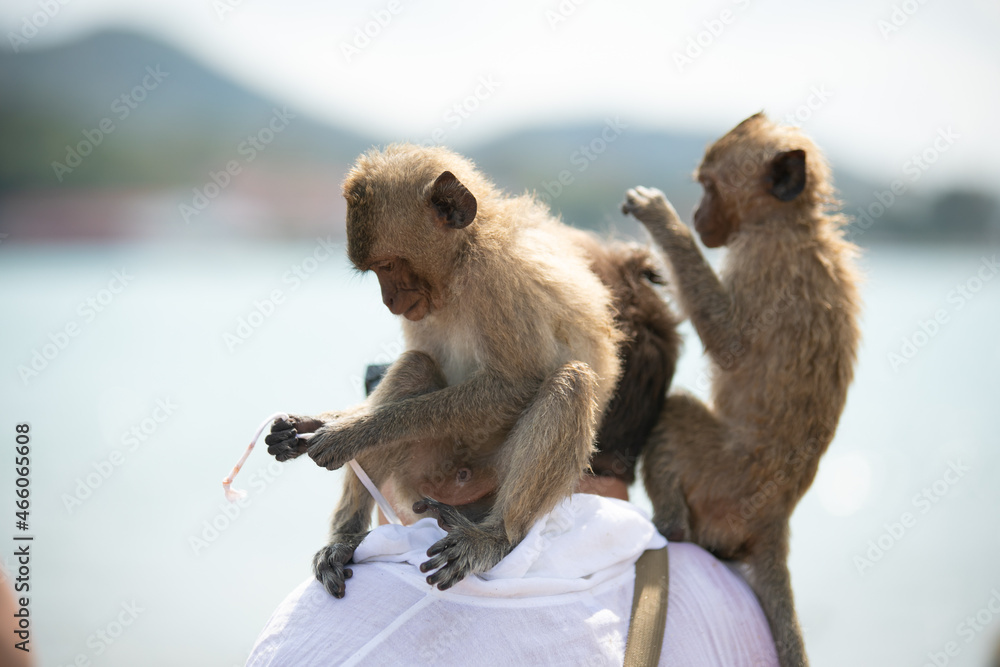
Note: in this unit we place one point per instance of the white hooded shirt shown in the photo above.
(562, 597)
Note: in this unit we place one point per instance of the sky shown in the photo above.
(876, 82)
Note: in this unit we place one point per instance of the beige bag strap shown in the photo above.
(649, 609)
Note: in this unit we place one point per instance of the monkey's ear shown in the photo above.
(787, 178)
(454, 204)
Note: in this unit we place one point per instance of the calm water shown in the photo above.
(147, 402)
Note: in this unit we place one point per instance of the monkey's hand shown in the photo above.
(339, 440)
(468, 548)
(282, 442)
(651, 208)
(329, 565)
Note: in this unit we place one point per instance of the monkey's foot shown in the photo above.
(329, 566)
(649, 206)
(673, 520)
(282, 442)
(674, 531)
(466, 549)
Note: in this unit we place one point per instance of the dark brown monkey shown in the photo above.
(648, 354)
(511, 349)
(781, 335)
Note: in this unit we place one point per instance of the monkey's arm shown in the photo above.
(414, 373)
(484, 404)
(702, 295)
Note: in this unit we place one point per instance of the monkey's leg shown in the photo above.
(684, 420)
(540, 463)
(770, 580)
(348, 528)
(413, 374)
(702, 296)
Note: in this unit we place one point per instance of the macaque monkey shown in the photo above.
(648, 354)
(780, 330)
(511, 354)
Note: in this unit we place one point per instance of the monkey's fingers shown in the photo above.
(281, 425)
(454, 564)
(448, 517)
(285, 445)
(280, 437)
(438, 555)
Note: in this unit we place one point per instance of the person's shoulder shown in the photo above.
(713, 617)
(311, 627)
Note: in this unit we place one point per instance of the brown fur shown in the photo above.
(781, 335)
(648, 354)
(511, 350)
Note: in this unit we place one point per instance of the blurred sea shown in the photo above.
(152, 373)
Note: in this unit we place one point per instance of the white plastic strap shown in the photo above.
(232, 495)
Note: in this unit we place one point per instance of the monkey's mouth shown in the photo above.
(418, 310)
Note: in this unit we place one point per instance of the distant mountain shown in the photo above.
(118, 135)
(584, 171)
(176, 121)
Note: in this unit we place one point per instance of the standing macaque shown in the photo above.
(511, 356)
(780, 330)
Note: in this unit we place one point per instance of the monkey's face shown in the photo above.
(405, 226)
(403, 291)
(746, 180)
(712, 219)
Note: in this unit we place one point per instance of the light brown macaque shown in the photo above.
(511, 357)
(779, 326)
(448, 472)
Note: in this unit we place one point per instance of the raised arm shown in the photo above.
(702, 295)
